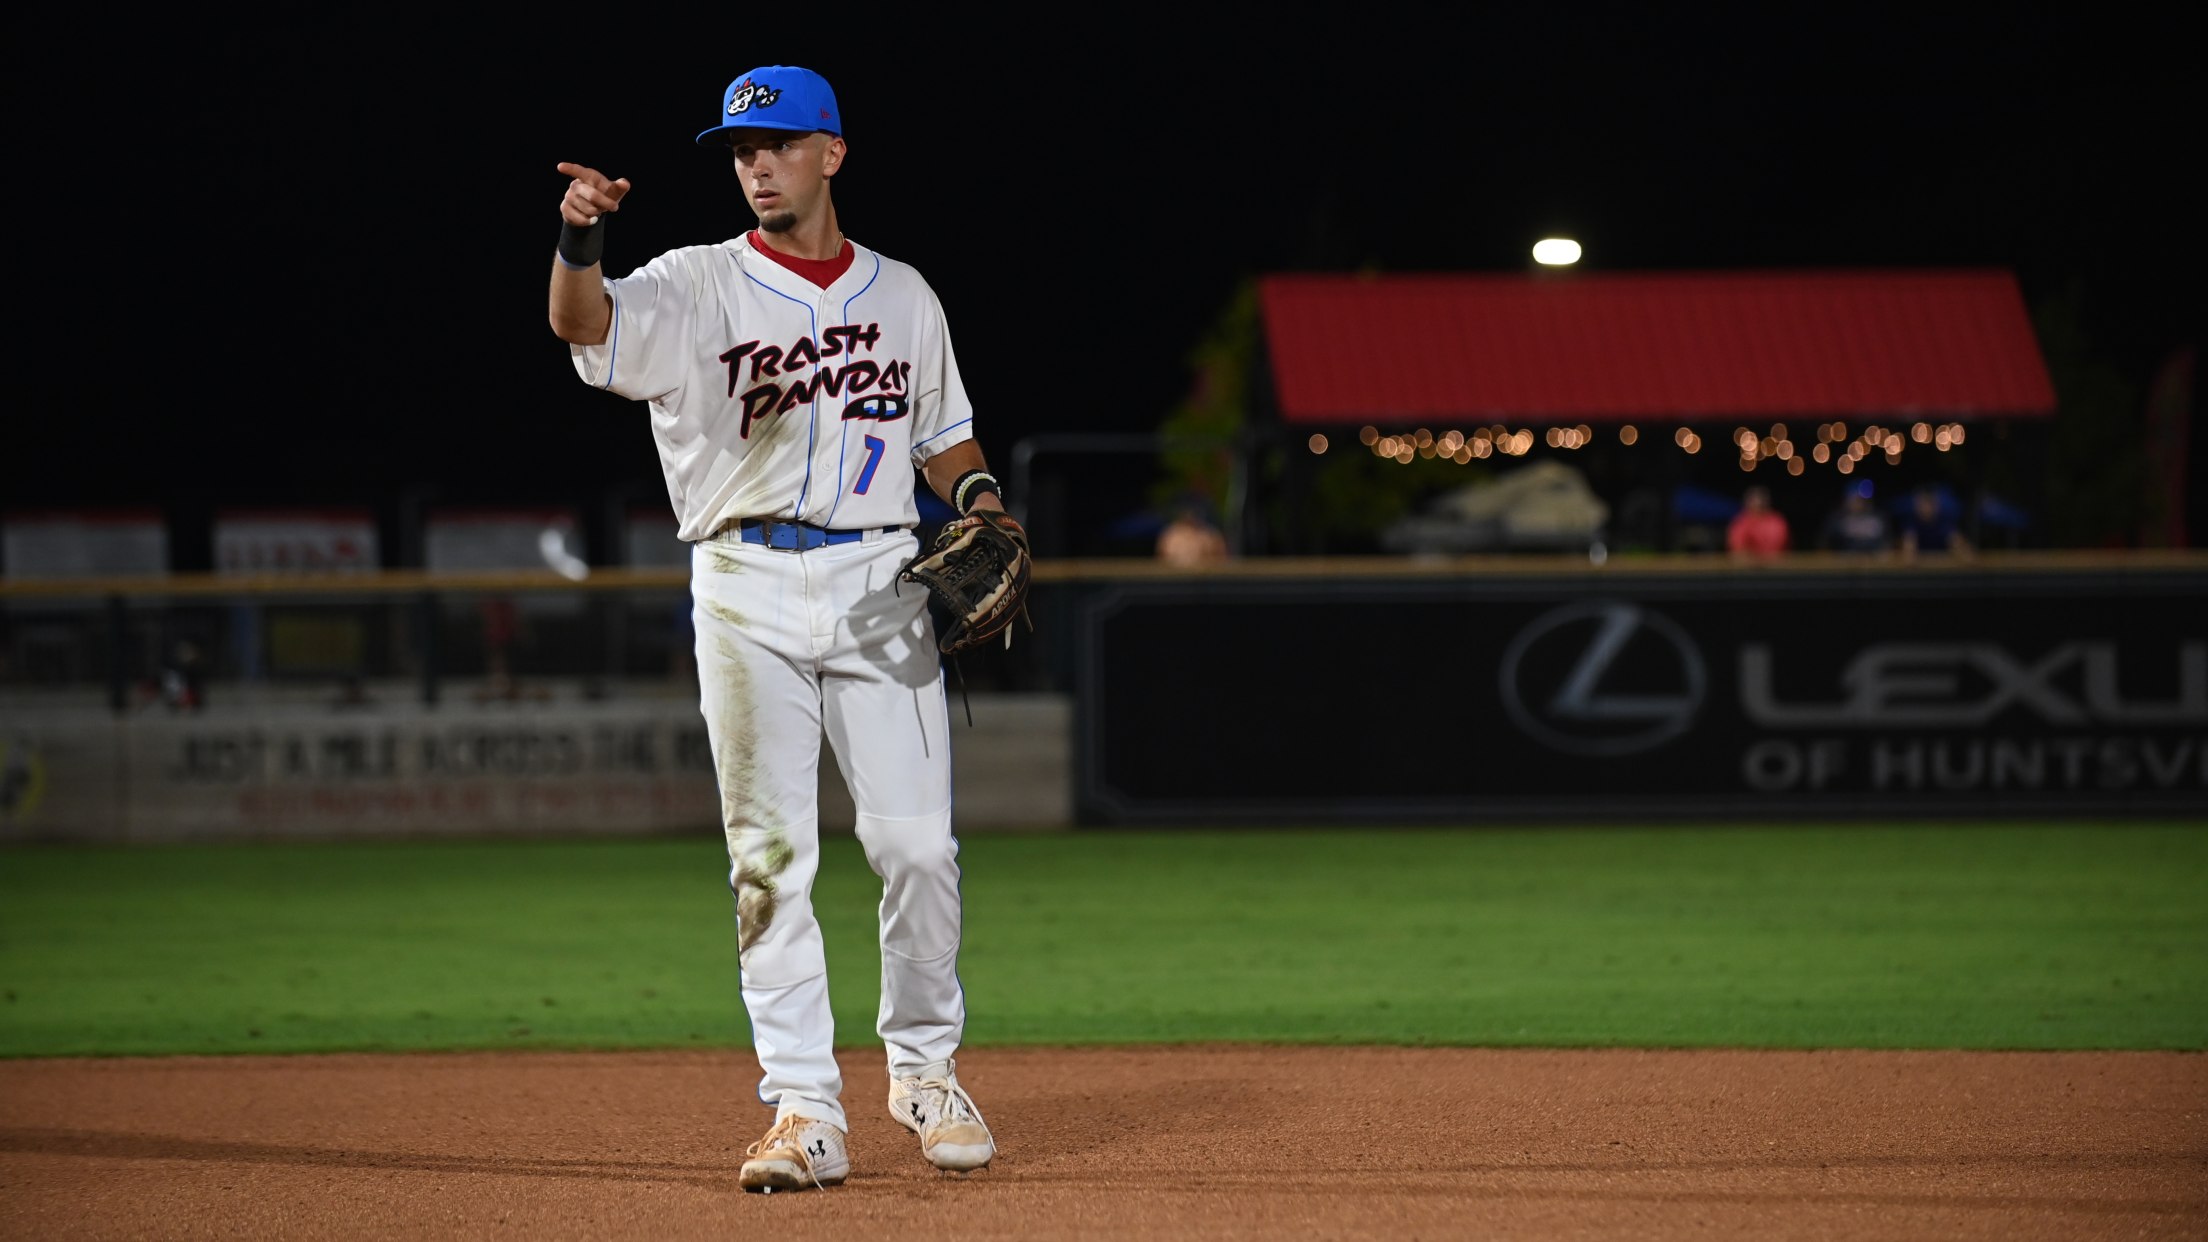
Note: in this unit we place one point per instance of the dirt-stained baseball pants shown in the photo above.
(790, 644)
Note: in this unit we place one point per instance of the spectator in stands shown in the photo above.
(1190, 540)
(184, 677)
(1758, 531)
(1857, 525)
(501, 627)
(1930, 529)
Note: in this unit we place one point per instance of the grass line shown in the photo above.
(1906, 936)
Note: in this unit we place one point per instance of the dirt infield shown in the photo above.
(1139, 1142)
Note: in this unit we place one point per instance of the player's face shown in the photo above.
(785, 173)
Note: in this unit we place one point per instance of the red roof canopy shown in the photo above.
(1663, 347)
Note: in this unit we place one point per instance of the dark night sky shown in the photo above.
(292, 264)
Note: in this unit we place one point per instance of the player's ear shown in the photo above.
(834, 158)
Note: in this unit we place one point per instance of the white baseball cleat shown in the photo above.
(798, 1152)
(932, 1105)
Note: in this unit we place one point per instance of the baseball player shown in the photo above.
(791, 375)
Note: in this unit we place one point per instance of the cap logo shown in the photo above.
(746, 95)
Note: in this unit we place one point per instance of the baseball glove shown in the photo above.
(977, 570)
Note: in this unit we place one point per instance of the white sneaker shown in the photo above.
(932, 1105)
(798, 1152)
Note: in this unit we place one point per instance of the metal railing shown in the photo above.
(133, 642)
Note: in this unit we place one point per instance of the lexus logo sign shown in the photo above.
(1603, 678)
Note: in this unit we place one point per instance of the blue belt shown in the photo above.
(798, 536)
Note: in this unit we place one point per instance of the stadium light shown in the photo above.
(1556, 252)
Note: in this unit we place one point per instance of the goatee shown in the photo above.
(778, 221)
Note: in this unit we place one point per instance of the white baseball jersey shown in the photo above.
(773, 397)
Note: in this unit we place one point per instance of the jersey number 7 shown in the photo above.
(874, 448)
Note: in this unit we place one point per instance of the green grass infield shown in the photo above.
(2023, 936)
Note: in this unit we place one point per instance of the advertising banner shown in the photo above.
(494, 539)
(598, 768)
(64, 769)
(79, 544)
(1771, 693)
(583, 767)
(287, 542)
(648, 539)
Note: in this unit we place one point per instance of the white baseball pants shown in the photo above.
(789, 645)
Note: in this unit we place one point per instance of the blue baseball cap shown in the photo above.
(776, 97)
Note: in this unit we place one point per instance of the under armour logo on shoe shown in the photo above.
(819, 1147)
(916, 1110)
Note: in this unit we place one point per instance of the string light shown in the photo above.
(1317, 443)
(1832, 447)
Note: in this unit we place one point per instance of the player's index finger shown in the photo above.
(580, 173)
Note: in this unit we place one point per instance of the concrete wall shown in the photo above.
(1012, 770)
(574, 766)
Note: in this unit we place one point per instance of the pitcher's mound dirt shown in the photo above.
(1139, 1142)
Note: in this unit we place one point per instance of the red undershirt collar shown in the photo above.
(821, 272)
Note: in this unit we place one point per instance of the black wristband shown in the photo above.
(581, 248)
(970, 485)
(977, 490)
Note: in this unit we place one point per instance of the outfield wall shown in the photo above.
(1807, 691)
(635, 766)
(1264, 690)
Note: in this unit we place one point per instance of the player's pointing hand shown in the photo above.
(591, 194)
